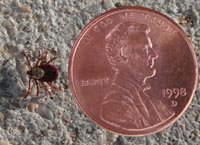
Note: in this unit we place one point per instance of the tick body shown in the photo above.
(43, 72)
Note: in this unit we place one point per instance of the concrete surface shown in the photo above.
(56, 120)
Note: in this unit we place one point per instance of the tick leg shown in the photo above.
(29, 87)
(54, 87)
(24, 54)
(45, 56)
(38, 88)
(45, 88)
(53, 59)
(38, 59)
(41, 59)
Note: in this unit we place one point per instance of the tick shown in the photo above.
(42, 72)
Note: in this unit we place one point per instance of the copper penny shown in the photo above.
(133, 71)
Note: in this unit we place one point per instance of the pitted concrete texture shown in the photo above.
(55, 119)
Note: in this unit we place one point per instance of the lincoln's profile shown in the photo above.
(126, 105)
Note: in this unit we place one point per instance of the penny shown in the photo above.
(133, 71)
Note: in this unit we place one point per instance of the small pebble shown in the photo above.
(21, 128)
(69, 10)
(111, 137)
(20, 47)
(118, 5)
(4, 142)
(162, 133)
(194, 17)
(25, 8)
(1, 117)
(94, 8)
(44, 132)
(108, 4)
(39, 2)
(197, 119)
(182, 127)
(44, 112)
(119, 140)
(195, 133)
(32, 106)
(17, 3)
(45, 142)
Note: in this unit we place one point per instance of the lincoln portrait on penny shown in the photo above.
(131, 55)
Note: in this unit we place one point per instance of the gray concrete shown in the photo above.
(56, 119)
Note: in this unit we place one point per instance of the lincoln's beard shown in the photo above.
(146, 86)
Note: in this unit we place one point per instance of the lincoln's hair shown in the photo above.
(118, 39)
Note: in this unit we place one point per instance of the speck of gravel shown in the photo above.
(4, 142)
(45, 142)
(194, 17)
(44, 132)
(25, 9)
(69, 10)
(161, 133)
(86, 17)
(21, 127)
(197, 119)
(195, 133)
(119, 141)
(182, 127)
(107, 4)
(44, 112)
(20, 47)
(1, 119)
(32, 106)
(95, 8)
(149, 140)
(111, 138)
(118, 5)
(39, 2)
(17, 3)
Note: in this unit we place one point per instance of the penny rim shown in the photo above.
(71, 71)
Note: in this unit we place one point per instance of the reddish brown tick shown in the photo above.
(42, 72)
